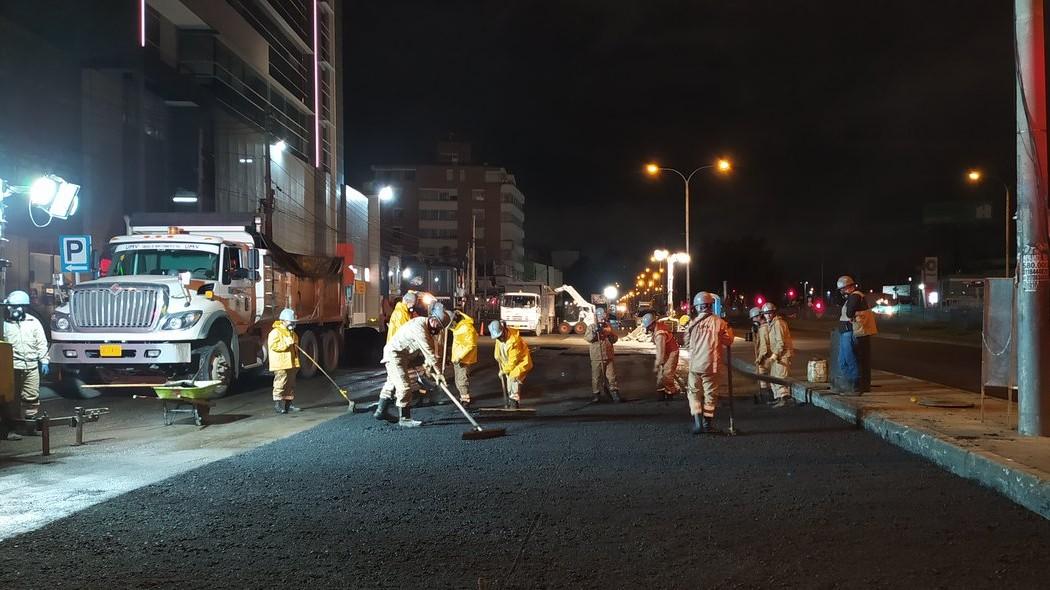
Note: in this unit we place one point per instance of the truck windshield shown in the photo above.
(201, 264)
(519, 301)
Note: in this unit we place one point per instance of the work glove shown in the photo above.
(45, 369)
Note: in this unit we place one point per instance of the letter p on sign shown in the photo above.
(75, 252)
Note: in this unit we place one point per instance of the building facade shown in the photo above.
(436, 211)
(183, 106)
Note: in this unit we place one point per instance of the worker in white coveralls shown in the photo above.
(665, 365)
(413, 338)
(29, 346)
(781, 349)
(706, 337)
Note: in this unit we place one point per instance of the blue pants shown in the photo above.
(855, 362)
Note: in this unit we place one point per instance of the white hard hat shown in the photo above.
(600, 312)
(18, 298)
(703, 298)
(495, 328)
(409, 298)
(768, 307)
(648, 319)
(845, 281)
(754, 312)
(287, 315)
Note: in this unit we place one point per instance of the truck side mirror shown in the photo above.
(253, 258)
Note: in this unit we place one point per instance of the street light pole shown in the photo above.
(1033, 314)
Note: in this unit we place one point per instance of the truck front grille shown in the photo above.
(124, 307)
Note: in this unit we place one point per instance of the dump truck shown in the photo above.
(528, 307)
(197, 301)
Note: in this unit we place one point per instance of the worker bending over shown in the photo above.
(513, 358)
(399, 355)
(665, 366)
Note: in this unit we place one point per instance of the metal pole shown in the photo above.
(1033, 314)
(670, 285)
(688, 284)
(1006, 252)
(268, 195)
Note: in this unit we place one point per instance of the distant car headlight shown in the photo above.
(60, 322)
(181, 321)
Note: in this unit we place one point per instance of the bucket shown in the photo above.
(817, 371)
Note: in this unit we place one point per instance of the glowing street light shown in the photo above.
(386, 193)
(975, 176)
(610, 293)
(722, 165)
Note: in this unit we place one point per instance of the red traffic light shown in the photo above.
(760, 300)
(791, 293)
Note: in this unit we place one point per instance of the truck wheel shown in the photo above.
(580, 328)
(330, 350)
(216, 364)
(564, 329)
(308, 342)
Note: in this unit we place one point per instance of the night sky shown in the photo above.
(842, 119)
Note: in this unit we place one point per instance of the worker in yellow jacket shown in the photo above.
(283, 344)
(401, 314)
(464, 351)
(512, 357)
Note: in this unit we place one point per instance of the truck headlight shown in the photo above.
(181, 321)
(59, 322)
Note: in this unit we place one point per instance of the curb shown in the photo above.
(1028, 487)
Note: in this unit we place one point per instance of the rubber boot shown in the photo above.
(708, 425)
(278, 407)
(405, 420)
(381, 410)
(290, 407)
(597, 398)
(615, 395)
(698, 425)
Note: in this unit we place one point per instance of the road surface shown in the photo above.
(576, 496)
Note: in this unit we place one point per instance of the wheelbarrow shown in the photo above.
(186, 397)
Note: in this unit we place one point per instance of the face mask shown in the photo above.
(17, 313)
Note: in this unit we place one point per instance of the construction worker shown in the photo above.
(513, 358)
(399, 355)
(856, 327)
(706, 337)
(283, 343)
(464, 351)
(665, 366)
(29, 347)
(781, 349)
(401, 314)
(603, 361)
(760, 329)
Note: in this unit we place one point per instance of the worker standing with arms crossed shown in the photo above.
(513, 358)
(283, 344)
(781, 349)
(603, 362)
(706, 337)
(665, 365)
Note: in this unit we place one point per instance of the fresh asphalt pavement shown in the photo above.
(577, 495)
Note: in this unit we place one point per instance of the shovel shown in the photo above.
(343, 392)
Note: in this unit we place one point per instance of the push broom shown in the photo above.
(343, 392)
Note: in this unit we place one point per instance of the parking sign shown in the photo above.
(75, 252)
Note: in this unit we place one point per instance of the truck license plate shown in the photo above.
(110, 350)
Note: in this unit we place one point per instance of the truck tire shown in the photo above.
(564, 329)
(580, 328)
(215, 363)
(330, 350)
(308, 342)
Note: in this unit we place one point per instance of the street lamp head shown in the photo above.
(660, 255)
(652, 169)
(724, 165)
(610, 292)
(974, 175)
(681, 257)
(386, 193)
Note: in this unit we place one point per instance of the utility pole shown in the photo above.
(473, 274)
(1033, 275)
(267, 201)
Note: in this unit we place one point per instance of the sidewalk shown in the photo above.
(990, 452)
